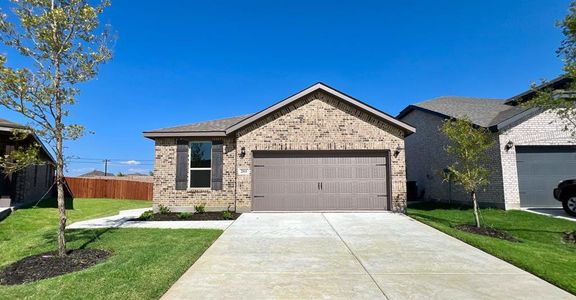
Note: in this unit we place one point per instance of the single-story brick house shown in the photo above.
(28, 185)
(531, 154)
(319, 149)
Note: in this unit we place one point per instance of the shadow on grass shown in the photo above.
(85, 236)
(52, 202)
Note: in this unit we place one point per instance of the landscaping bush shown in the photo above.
(184, 215)
(200, 208)
(227, 215)
(147, 215)
(163, 209)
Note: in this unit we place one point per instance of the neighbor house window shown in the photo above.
(200, 164)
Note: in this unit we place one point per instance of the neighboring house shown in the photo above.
(30, 184)
(96, 173)
(531, 153)
(316, 150)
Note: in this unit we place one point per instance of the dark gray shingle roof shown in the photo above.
(10, 124)
(206, 126)
(483, 112)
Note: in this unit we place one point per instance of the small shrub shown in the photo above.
(200, 208)
(163, 209)
(184, 215)
(147, 215)
(227, 215)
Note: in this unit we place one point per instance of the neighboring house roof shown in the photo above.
(8, 126)
(481, 111)
(494, 114)
(136, 174)
(557, 83)
(96, 173)
(224, 127)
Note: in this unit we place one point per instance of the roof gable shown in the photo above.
(314, 88)
(223, 127)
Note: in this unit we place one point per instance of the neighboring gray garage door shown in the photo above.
(539, 171)
(320, 180)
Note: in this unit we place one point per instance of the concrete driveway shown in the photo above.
(350, 255)
(552, 212)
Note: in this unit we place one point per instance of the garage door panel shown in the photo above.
(352, 188)
(540, 168)
(318, 180)
(286, 187)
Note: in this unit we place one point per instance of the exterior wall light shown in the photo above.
(397, 151)
(242, 152)
(508, 146)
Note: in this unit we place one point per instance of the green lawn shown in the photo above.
(145, 262)
(541, 250)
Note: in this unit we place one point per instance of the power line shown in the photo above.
(101, 159)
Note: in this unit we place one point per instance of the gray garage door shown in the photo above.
(319, 180)
(539, 171)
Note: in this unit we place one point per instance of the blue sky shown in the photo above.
(178, 62)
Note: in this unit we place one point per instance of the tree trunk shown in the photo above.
(61, 200)
(476, 215)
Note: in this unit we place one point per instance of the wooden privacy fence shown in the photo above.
(109, 188)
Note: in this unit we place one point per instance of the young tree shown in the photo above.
(64, 44)
(469, 145)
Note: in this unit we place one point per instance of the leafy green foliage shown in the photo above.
(469, 146)
(24, 153)
(185, 215)
(163, 210)
(567, 48)
(120, 174)
(227, 215)
(200, 208)
(147, 215)
(559, 102)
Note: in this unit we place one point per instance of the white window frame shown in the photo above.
(190, 168)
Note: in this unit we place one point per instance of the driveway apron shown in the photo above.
(350, 255)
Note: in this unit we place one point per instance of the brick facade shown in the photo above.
(318, 121)
(426, 157)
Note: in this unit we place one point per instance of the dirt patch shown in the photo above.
(49, 264)
(207, 216)
(570, 237)
(487, 231)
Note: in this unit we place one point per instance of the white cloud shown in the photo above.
(131, 162)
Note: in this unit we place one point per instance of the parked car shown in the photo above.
(566, 193)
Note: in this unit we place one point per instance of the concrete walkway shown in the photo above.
(551, 212)
(353, 256)
(123, 220)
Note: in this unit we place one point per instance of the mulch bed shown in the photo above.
(49, 264)
(570, 237)
(207, 216)
(487, 231)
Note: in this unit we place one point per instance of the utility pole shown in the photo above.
(106, 166)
